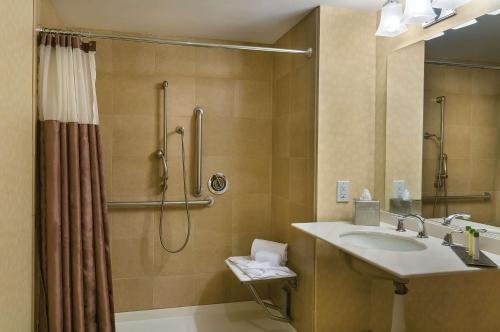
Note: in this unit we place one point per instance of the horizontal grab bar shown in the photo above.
(484, 197)
(209, 201)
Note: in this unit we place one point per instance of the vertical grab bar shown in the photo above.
(162, 152)
(198, 113)
(165, 100)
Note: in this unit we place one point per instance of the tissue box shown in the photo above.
(367, 213)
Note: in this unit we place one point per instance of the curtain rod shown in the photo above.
(307, 52)
(461, 64)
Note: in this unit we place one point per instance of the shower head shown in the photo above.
(430, 136)
(161, 155)
(179, 130)
(440, 99)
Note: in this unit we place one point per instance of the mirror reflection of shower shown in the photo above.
(441, 176)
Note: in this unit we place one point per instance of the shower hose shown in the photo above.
(186, 205)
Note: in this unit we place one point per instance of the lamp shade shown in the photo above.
(448, 4)
(418, 11)
(391, 20)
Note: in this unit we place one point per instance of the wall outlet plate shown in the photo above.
(343, 191)
(398, 188)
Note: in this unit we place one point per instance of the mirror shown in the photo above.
(443, 124)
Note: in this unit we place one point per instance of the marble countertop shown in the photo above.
(434, 260)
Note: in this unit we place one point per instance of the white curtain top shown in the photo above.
(66, 80)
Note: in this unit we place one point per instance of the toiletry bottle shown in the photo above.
(475, 246)
(467, 238)
(471, 241)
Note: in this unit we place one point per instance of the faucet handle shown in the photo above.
(448, 238)
(401, 225)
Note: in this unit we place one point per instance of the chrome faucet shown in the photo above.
(422, 233)
(448, 238)
(447, 221)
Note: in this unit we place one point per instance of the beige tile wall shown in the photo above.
(46, 14)
(235, 89)
(293, 151)
(346, 125)
(471, 133)
(17, 160)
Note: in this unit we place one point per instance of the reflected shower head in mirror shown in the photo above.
(431, 136)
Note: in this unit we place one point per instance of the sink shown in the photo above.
(381, 241)
(381, 252)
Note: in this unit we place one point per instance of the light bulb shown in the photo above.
(418, 11)
(391, 17)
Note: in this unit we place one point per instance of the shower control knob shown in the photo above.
(218, 183)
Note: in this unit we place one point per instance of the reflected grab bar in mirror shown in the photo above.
(209, 201)
(484, 197)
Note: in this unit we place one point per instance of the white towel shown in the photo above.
(260, 270)
(270, 257)
(270, 246)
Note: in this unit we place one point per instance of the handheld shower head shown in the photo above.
(164, 177)
(428, 135)
(431, 136)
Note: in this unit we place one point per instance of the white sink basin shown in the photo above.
(381, 241)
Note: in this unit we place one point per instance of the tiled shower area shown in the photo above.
(258, 129)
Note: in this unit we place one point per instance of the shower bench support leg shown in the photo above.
(268, 307)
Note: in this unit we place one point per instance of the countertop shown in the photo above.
(435, 260)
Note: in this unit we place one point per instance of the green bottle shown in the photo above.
(467, 238)
(471, 241)
(475, 246)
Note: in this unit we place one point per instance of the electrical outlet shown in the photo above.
(398, 188)
(343, 191)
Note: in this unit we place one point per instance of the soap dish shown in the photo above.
(483, 261)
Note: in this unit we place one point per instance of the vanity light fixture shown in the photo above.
(495, 12)
(466, 24)
(418, 11)
(448, 4)
(391, 20)
(443, 15)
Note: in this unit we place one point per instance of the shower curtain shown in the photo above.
(74, 286)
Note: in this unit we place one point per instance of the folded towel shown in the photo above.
(260, 270)
(270, 257)
(270, 246)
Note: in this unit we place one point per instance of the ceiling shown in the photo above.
(477, 43)
(259, 21)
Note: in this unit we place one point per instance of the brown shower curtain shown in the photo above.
(74, 291)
